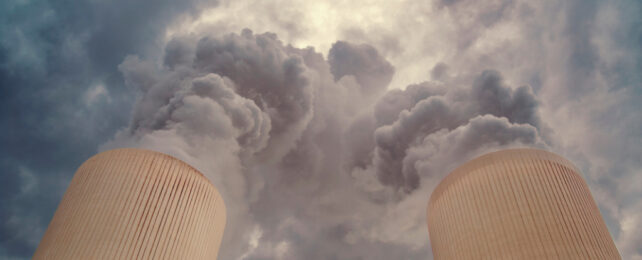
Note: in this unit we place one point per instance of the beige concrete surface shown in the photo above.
(517, 204)
(136, 204)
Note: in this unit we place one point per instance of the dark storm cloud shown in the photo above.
(62, 96)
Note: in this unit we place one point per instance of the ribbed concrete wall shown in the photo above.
(517, 204)
(136, 204)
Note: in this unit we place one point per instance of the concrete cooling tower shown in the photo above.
(130, 203)
(517, 204)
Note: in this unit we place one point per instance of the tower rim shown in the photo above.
(493, 157)
(193, 170)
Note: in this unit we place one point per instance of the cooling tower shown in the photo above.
(130, 203)
(517, 204)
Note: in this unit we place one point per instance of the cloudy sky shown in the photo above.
(324, 124)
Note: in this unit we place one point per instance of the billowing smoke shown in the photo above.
(315, 158)
(410, 116)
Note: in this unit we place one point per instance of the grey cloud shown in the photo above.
(168, 97)
(263, 71)
(631, 235)
(406, 117)
(493, 97)
(180, 50)
(583, 54)
(387, 108)
(387, 42)
(363, 61)
(439, 152)
(439, 71)
(359, 142)
(426, 117)
(473, 17)
(488, 13)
